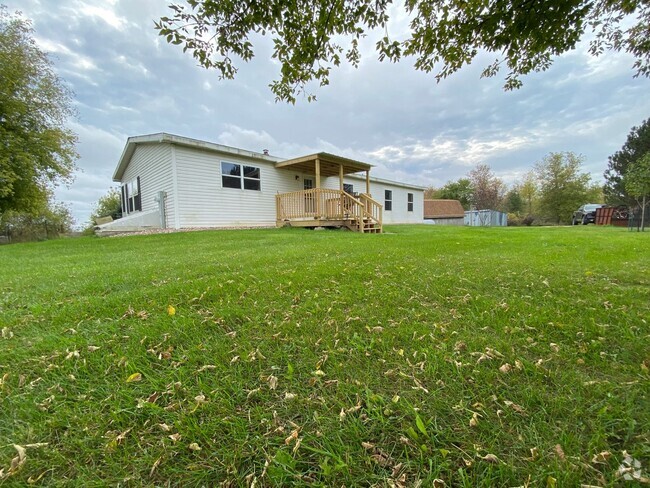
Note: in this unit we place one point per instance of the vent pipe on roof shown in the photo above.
(265, 151)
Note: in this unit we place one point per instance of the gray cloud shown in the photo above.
(128, 81)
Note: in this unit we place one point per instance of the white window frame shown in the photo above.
(242, 178)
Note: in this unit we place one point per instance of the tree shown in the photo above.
(636, 145)
(36, 150)
(637, 182)
(523, 35)
(529, 191)
(109, 205)
(488, 189)
(562, 187)
(514, 202)
(460, 190)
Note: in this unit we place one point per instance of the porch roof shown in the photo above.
(329, 164)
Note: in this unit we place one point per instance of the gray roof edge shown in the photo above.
(390, 182)
(164, 137)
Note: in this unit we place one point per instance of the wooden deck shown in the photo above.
(321, 207)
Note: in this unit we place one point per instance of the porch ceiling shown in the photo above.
(329, 164)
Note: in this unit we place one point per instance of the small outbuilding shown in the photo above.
(443, 212)
(486, 218)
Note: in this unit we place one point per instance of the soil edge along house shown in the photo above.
(169, 181)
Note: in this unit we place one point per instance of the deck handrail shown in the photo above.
(372, 209)
(328, 204)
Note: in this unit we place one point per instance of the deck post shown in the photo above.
(368, 182)
(317, 171)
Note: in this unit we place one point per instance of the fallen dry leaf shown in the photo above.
(505, 368)
(342, 415)
(134, 377)
(515, 407)
(155, 465)
(560, 452)
(272, 381)
(293, 436)
(175, 437)
(473, 422)
(490, 458)
(206, 367)
(601, 457)
(194, 447)
(93, 348)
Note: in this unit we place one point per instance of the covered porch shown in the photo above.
(327, 207)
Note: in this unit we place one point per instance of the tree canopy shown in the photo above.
(308, 36)
(109, 205)
(488, 189)
(636, 146)
(562, 187)
(37, 151)
(460, 190)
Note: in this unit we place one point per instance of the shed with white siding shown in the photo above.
(169, 181)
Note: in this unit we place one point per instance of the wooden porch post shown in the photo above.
(341, 177)
(368, 182)
(317, 171)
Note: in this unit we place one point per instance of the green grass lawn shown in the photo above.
(479, 357)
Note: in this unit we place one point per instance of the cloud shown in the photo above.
(128, 81)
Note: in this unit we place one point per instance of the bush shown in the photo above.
(515, 220)
(50, 223)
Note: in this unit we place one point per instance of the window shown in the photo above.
(131, 196)
(349, 189)
(409, 203)
(388, 200)
(240, 176)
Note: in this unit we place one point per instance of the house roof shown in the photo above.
(388, 182)
(329, 164)
(163, 137)
(436, 209)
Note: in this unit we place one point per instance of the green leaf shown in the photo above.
(420, 425)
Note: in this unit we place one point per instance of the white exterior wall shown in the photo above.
(203, 202)
(152, 163)
(399, 214)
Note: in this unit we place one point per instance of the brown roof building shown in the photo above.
(443, 209)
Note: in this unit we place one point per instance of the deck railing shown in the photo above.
(327, 204)
(373, 210)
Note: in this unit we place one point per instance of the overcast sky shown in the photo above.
(128, 81)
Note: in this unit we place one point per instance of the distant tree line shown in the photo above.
(555, 187)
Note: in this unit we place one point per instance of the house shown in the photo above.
(169, 181)
(444, 212)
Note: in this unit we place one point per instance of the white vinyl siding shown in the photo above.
(399, 214)
(152, 163)
(203, 202)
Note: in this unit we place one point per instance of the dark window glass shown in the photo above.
(388, 200)
(251, 184)
(349, 189)
(230, 169)
(251, 172)
(231, 181)
(409, 197)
